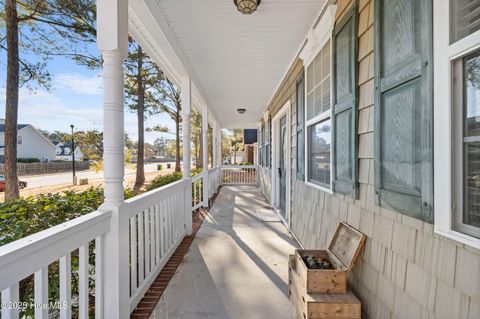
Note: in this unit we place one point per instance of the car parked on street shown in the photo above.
(21, 184)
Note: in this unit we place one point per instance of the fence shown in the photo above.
(47, 168)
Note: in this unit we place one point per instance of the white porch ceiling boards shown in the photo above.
(238, 60)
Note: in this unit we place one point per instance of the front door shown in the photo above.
(282, 167)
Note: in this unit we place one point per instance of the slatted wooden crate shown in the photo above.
(323, 306)
(342, 252)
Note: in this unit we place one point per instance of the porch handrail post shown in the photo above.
(112, 41)
(186, 110)
(205, 155)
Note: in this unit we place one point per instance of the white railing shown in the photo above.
(49, 255)
(198, 196)
(157, 226)
(239, 174)
(213, 180)
(121, 249)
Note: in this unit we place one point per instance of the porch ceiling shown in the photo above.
(238, 60)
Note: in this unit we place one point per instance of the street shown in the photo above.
(66, 177)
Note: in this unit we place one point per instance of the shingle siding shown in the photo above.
(405, 271)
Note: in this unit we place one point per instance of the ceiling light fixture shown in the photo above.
(241, 111)
(247, 6)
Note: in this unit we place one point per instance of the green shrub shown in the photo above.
(28, 160)
(163, 180)
(26, 216)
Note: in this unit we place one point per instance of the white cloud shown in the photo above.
(48, 111)
(78, 84)
(44, 110)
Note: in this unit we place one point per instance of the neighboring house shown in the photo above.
(64, 152)
(30, 143)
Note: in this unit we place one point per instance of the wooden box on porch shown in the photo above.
(342, 252)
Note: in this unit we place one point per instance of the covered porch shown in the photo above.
(236, 265)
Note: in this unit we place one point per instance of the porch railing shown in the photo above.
(213, 180)
(198, 196)
(148, 230)
(156, 228)
(53, 249)
(239, 174)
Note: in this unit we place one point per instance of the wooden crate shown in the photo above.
(342, 252)
(320, 306)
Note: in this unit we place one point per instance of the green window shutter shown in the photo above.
(345, 105)
(300, 128)
(403, 111)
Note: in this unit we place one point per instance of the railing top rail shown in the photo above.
(144, 201)
(239, 166)
(25, 256)
(198, 176)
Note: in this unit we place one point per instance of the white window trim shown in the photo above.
(326, 36)
(316, 40)
(444, 55)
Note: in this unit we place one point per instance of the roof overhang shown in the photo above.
(234, 61)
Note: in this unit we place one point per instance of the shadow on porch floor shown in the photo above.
(236, 266)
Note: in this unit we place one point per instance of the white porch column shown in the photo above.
(186, 110)
(112, 41)
(205, 154)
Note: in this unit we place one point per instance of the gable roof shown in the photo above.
(19, 127)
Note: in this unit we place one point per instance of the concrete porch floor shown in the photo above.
(237, 266)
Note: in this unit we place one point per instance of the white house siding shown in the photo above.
(34, 145)
(405, 270)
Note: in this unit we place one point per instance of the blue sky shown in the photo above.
(75, 98)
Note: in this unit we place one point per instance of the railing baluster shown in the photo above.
(162, 229)
(41, 293)
(10, 299)
(157, 233)
(152, 238)
(133, 255)
(141, 251)
(147, 242)
(66, 287)
(99, 275)
(83, 281)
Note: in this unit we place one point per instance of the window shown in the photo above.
(300, 99)
(319, 154)
(403, 108)
(19, 139)
(466, 16)
(318, 118)
(466, 104)
(264, 145)
(457, 120)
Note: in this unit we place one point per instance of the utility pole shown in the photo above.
(73, 158)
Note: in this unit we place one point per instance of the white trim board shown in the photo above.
(284, 111)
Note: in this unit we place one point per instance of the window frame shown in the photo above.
(320, 117)
(445, 131)
(300, 129)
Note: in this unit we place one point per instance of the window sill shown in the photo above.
(322, 188)
(459, 237)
